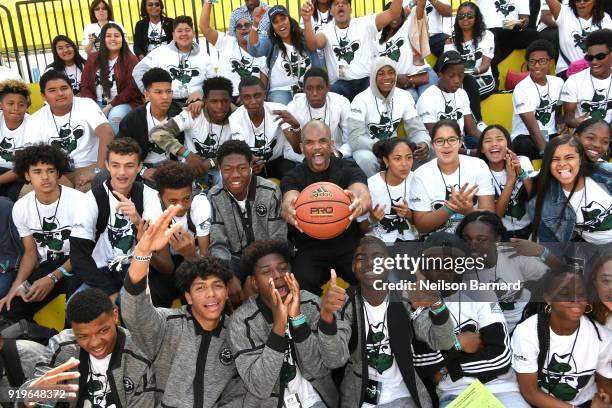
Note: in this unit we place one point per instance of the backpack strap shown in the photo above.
(101, 196)
(352, 345)
(9, 358)
(137, 196)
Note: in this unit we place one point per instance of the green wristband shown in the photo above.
(448, 210)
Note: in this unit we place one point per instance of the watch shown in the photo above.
(53, 278)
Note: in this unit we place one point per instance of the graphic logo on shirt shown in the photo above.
(98, 391)
(296, 66)
(261, 149)
(128, 385)
(506, 297)
(244, 67)
(470, 56)
(544, 111)
(429, 8)
(386, 127)
(155, 38)
(113, 83)
(562, 378)
(289, 366)
(345, 50)
(579, 38)
(392, 222)
(122, 233)
(450, 112)
(67, 137)
(504, 7)
(7, 149)
(51, 237)
(207, 148)
(226, 357)
(74, 83)
(596, 217)
(378, 348)
(599, 104)
(261, 209)
(393, 49)
(183, 73)
(516, 209)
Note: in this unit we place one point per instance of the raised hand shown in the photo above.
(157, 235)
(258, 14)
(307, 11)
(357, 208)
(183, 243)
(293, 309)
(334, 299)
(54, 379)
(127, 207)
(279, 309)
(462, 200)
(402, 210)
(286, 117)
(377, 213)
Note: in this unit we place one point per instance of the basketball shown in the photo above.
(322, 210)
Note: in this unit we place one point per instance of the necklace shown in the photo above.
(345, 34)
(553, 381)
(607, 92)
(153, 117)
(57, 129)
(384, 322)
(41, 220)
(264, 132)
(389, 191)
(446, 186)
(218, 138)
(324, 110)
(183, 59)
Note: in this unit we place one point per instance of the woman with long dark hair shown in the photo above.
(573, 201)
(286, 54)
(576, 20)
(414, 73)
(66, 58)
(510, 176)
(100, 13)
(107, 77)
(153, 30)
(600, 289)
(560, 355)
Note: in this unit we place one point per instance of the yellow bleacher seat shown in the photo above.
(497, 109)
(53, 315)
(36, 97)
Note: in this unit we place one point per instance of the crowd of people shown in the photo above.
(154, 174)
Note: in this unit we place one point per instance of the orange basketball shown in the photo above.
(322, 210)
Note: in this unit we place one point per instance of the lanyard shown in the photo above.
(57, 129)
(446, 194)
(41, 220)
(389, 192)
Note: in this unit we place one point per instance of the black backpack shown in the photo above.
(101, 196)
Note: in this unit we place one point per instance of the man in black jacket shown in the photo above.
(158, 109)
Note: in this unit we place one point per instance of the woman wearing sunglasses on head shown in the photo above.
(153, 30)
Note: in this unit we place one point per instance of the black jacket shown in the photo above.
(134, 125)
(141, 34)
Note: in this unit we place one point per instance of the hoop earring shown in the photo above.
(547, 309)
(590, 309)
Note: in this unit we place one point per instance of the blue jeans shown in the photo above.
(282, 97)
(512, 399)
(349, 88)
(116, 114)
(418, 91)
(6, 280)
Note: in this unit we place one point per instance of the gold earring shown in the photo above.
(547, 309)
(590, 309)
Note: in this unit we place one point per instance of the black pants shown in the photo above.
(507, 41)
(436, 43)
(26, 310)
(277, 168)
(311, 266)
(10, 190)
(551, 34)
(523, 145)
(472, 89)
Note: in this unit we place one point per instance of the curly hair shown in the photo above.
(384, 148)
(173, 175)
(12, 86)
(234, 147)
(478, 30)
(486, 217)
(259, 249)
(41, 153)
(204, 267)
(87, 305)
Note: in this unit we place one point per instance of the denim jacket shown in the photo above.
(557, 227)
(265, 48)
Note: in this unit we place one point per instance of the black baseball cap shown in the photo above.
(451, 57)
(275, 10)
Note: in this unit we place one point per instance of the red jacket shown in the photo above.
(127, 91)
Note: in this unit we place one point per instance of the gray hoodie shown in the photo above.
(359, 135)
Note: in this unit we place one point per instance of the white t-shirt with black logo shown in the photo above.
(435, 104)
(593, 208)
(472, 54)
(592, 95)
(119, 238)
(200, 213)
(74, 132)
(202, 136)
(266, 140)
(430, 188)
(434, 18)
(571, 362)
(495, 12)
(398, 49)
(289, 69)
(573, 32)
(156, 154)
(352, 47)
(541, 100)
(156, 35)
(382, 117)
(13, 140)
(100, 97)
(516, 216)
(382, 366)
(297, 384)
(98, 393)
(235, 63)
(49, 224)
(74, 74)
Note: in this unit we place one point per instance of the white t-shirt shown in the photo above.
(472, 56)
(516, 216)
(288, 70)
(49, 224)
(382, 117)
(398, 49)
(510, 270)
(334, 113)
(430, 188)
(200, 216)
(202, 136)
(593, 208)
(119, 237)
(7, 73)
(156, 154)
(74, 75)
(324, 18)
(573, 32)
(113, 90)
(571, 362)
(392, 227)
(13, 140)
(495, 12)
(97, 381)
(298, 384)
(266, 140)
(434, 18)
(156, 34)
(435, 104)
(235, 63)
(382, 366)
(74, 132)
(542, 100)
(95, 29)
(590, 94)
(544, 7)
(352, 47)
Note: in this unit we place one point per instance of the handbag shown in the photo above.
(514, 77)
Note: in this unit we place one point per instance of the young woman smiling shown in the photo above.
(594, 136)
(66, 58)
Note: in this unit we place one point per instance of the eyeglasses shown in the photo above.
(539, 61)
(452, 141)
(153, 4)
(244, 26)
(463, 16)
(599, 56)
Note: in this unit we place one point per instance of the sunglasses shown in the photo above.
(463, 16)
(600, 56)
(153, 4)
(244, 26)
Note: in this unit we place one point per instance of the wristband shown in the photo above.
(64, 271)
(143, 258)
(186, 153)
(438, 309)
(53, 278)
(448, 210)
(542, 152)
(457, 343)
(297, 320)
(523, 175)
(544, 255)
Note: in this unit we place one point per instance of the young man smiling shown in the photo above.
(190, 347)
